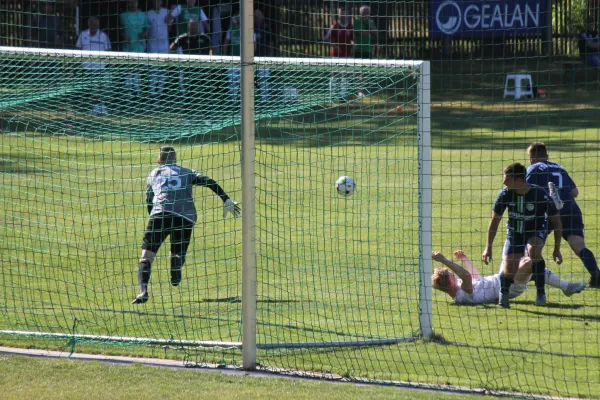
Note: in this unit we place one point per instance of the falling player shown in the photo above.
(465, 285)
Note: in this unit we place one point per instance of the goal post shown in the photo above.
(330, 271)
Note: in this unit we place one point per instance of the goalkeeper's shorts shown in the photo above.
(161, 226)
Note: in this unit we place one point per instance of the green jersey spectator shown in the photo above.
(365, 33)
(188, 12)
(134, 24)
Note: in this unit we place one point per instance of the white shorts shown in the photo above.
(517, 289)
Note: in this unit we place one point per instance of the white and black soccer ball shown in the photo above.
(345, 186)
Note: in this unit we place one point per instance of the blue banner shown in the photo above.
(473, 18)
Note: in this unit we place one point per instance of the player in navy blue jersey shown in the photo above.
(172, 213)
(541, 172)
(528, 206)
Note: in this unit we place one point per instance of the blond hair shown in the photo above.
(441, 278)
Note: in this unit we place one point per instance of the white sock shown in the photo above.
(553, 280)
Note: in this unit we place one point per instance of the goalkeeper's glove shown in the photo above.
(230, 206)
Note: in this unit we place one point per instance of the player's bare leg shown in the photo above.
(144, 270)
(568, 288)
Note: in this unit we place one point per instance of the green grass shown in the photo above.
(328, 268)
(22, 377)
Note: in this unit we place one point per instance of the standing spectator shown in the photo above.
(263, 47)
(365, 33)
(233, 47)
(134, 25)
(589, 44)
(159, 19)
(216, 30)
(263, 36)
(93, 39)
(341, 37)
(45, 27)
(186, 13)
(191, 42)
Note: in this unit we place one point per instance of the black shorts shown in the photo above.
(572, 224)
(516, 243)
(161, 226)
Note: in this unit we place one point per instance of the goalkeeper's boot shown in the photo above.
(175, 276)
(540, 300)
(141, 298)
(575, 287)
(504, 301)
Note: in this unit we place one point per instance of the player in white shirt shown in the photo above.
(159, 19)
(465, 285)
(93, 39)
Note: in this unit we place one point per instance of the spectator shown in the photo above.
(191, 42)
(45, 27)
(216, 35)
(233, 38)
(264, 43)
(134, 28)
(365, 33)
(589, 44)
(159, 19)
(341, 37)
(93, 39)
(233, 45)
(186, 13)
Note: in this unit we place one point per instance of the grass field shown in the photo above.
(23, 377)
(328, 268)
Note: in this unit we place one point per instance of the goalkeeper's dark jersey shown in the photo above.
(169, 190)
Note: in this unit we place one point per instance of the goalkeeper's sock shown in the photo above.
(505, 283)
(144, 269)
(538, 274)
(177, 262)
(589, 261)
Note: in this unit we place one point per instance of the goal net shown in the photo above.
(81, 131)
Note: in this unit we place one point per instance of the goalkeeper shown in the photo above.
(172, 213)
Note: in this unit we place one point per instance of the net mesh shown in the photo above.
(77, 144)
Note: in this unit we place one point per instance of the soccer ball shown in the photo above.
(345, 186)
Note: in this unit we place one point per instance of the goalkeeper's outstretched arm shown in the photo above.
(229, 205)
